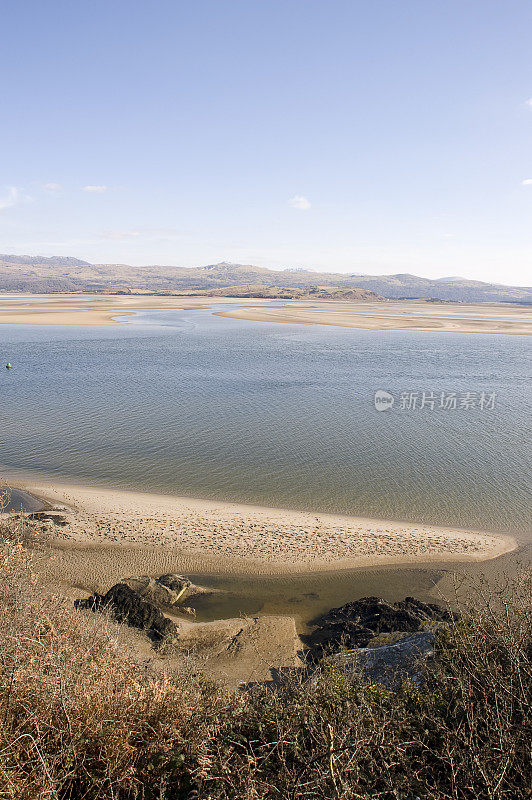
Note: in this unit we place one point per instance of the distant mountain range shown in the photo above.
(58, 274)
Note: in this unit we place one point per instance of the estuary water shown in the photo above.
(187, 403)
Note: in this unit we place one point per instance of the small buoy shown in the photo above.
(9, 366)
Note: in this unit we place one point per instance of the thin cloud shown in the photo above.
(527, 182)
(12, 196)
(529, 102)
(53, 187)
(119, 234)
(93, 189)
(300, 202)
(161, 234)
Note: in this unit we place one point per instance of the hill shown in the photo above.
(285, 293)
(59, 274)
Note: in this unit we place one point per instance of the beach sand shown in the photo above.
(88, 309)
(397, 316)
(140, 529)
(110, 535)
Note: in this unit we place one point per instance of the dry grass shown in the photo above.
(82, 718)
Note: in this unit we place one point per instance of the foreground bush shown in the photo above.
(80, 718)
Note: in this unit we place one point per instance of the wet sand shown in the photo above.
(15, 500)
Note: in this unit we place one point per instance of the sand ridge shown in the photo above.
(226, 537)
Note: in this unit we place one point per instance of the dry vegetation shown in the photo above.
(82, 718)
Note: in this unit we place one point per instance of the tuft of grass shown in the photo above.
(81, 718)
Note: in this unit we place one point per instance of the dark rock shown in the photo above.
(356, 623)
(428, 611)
(166, 590)
(48, 516)
(375, 614)
(127, 607)
(93, 603)
(332, 636)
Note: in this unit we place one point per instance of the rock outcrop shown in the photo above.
(128, 607)
(166, 590)
(48, 516)
(357, 624)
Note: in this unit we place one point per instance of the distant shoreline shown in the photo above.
(345, 315)
(415, 315)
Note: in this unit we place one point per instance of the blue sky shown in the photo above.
(378, 137)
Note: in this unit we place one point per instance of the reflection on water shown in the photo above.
(13, 500)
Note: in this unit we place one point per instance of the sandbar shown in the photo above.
(154, 532)
(397, 316)
(89, 309)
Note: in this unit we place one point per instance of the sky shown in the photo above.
(353, 136)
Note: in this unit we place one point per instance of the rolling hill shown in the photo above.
(61, 274)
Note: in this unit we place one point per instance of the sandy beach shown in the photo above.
(96, 537)
(206, 536)
(397, 316)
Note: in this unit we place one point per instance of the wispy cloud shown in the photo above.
(53, 187)
(95, 189)
(529, 102)
(527, 182)
(300, 202)
(12, 196)
(119, 234)
(144, 233)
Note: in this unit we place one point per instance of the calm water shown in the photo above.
(282, 415)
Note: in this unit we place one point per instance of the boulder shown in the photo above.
(166, 590)
(176, 583)
(158, 591)
(127, 607)
(48, 516)
(375, 614)
(392, 664)
(332, 636)
(355, 624)
(425, 611)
